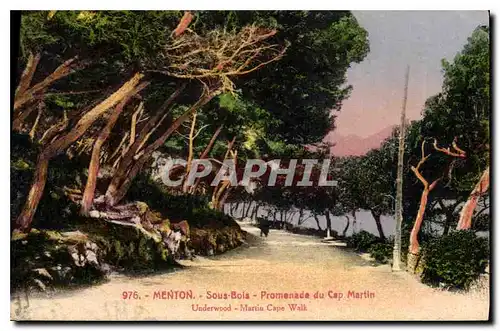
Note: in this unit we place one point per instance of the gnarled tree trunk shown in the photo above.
(465, 220)
(204, 154)
(376, 217)
(216, 194)
(185, 187)
(237, 208)
(88, 195)
(24, 220)
(301, 216)
(123, 179)
(317, 222)
(28, 73)
(414, 248)
(216, 197)
(128, 157)
(223, 198)
(29, 94)
(346, 226)
(449, 214)
(414, 245)
(256, 214)
(248, 209)
(41, 107)
(207, 150)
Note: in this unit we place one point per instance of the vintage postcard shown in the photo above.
(250, 165)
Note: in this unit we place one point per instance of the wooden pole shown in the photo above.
(396, 258)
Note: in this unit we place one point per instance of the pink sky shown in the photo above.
(397, 39)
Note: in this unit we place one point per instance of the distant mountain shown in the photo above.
(356, 145)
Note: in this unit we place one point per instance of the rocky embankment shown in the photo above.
(92, 249)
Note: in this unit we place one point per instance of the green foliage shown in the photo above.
(215, 241)
(33, 32)
(109, 46)
(462, 110)
(310, 79)
(244, 120)
(192, 208)
(381, 251)
(455, 260)
(303, 85)
(136, 35)
(368, 182)
(228, 101)
(61, 101)
(362, 241)
(127, 247)
(481, 222)
(366, 242)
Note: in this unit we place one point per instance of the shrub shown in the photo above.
(481, 223)
(193, 208)
(455, 260)
(381, 252)
(362, 241)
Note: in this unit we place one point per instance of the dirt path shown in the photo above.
(282, 263)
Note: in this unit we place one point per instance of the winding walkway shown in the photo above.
(282, 264)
